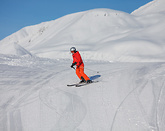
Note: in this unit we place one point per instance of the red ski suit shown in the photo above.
(79, 66)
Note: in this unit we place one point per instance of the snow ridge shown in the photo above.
(155, 6)
(100, 34)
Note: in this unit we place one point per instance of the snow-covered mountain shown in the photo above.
(153, 7)
(102, 34)
(130, 96)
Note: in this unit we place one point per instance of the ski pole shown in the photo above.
(74, 68)
(87, 69)
(92, 70)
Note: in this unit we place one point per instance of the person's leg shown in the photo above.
(78, 72)
(83, 74)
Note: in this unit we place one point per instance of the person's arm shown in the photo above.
(73, 64)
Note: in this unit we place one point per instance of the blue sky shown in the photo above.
(16, 14)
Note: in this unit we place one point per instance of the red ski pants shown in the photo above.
(80, 73)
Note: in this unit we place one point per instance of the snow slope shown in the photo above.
(155, 6)
(34, 96)
(100, 34)
(13, 48)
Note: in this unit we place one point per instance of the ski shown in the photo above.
(81, 84)
(73, 84)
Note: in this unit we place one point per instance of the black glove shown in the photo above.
(73, 64)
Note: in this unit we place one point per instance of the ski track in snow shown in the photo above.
(33, 97)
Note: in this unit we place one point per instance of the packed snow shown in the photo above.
(34, 96)
(124, 52)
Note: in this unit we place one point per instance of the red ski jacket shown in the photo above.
(77, 58)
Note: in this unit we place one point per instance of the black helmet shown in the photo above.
(73, 49)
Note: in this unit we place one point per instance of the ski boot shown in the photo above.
(82, 80)
(89, 81)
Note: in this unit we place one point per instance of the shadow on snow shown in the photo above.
(94, 77)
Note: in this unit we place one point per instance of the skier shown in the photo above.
(77, 60)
